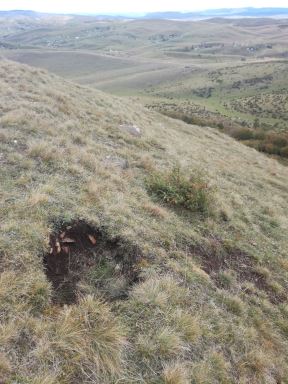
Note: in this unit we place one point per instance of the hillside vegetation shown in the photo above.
(134, 248)
(230, 74)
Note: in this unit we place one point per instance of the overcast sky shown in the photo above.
(137, 6)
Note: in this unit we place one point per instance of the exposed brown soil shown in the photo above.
(219, 257)
(81, 254)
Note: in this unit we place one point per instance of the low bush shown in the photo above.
(243, 134)
(272, 143)
(278, 140)
(177, 189)
(284, 151)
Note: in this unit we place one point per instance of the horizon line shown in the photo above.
(144, 13)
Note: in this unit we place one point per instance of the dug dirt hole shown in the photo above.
(82, 259)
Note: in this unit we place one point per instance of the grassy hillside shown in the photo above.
(225, 73)
(247, 101)
(134, 248)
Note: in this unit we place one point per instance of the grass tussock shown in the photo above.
(77, 342)
(168, 342)
(43, 151)
(29, 294)
(175, 373)
(89, 333)
(213, 369)
(234, 304)
(188, 325)
(5, 367)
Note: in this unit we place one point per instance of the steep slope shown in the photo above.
(116, 266)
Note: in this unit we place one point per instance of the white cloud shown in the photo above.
(117, 6)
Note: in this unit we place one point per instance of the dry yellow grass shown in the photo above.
(175, 373)
(210, 302)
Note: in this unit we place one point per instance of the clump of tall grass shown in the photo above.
(85, 340)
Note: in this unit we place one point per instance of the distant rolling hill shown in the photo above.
(17, 13)
(210, 13)
(225, 12)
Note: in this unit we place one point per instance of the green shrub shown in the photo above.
(284, 151)
(278, 140)
(243, 134)
(259, 135)
(272, 143)
(176, 189)
(256, 123)
(269, 148)
(220, 125)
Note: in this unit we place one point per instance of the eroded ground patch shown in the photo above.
(219, 257)
(82, 259)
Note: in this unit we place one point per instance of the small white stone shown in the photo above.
(132, 129)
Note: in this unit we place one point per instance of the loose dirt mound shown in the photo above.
(82, 257)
